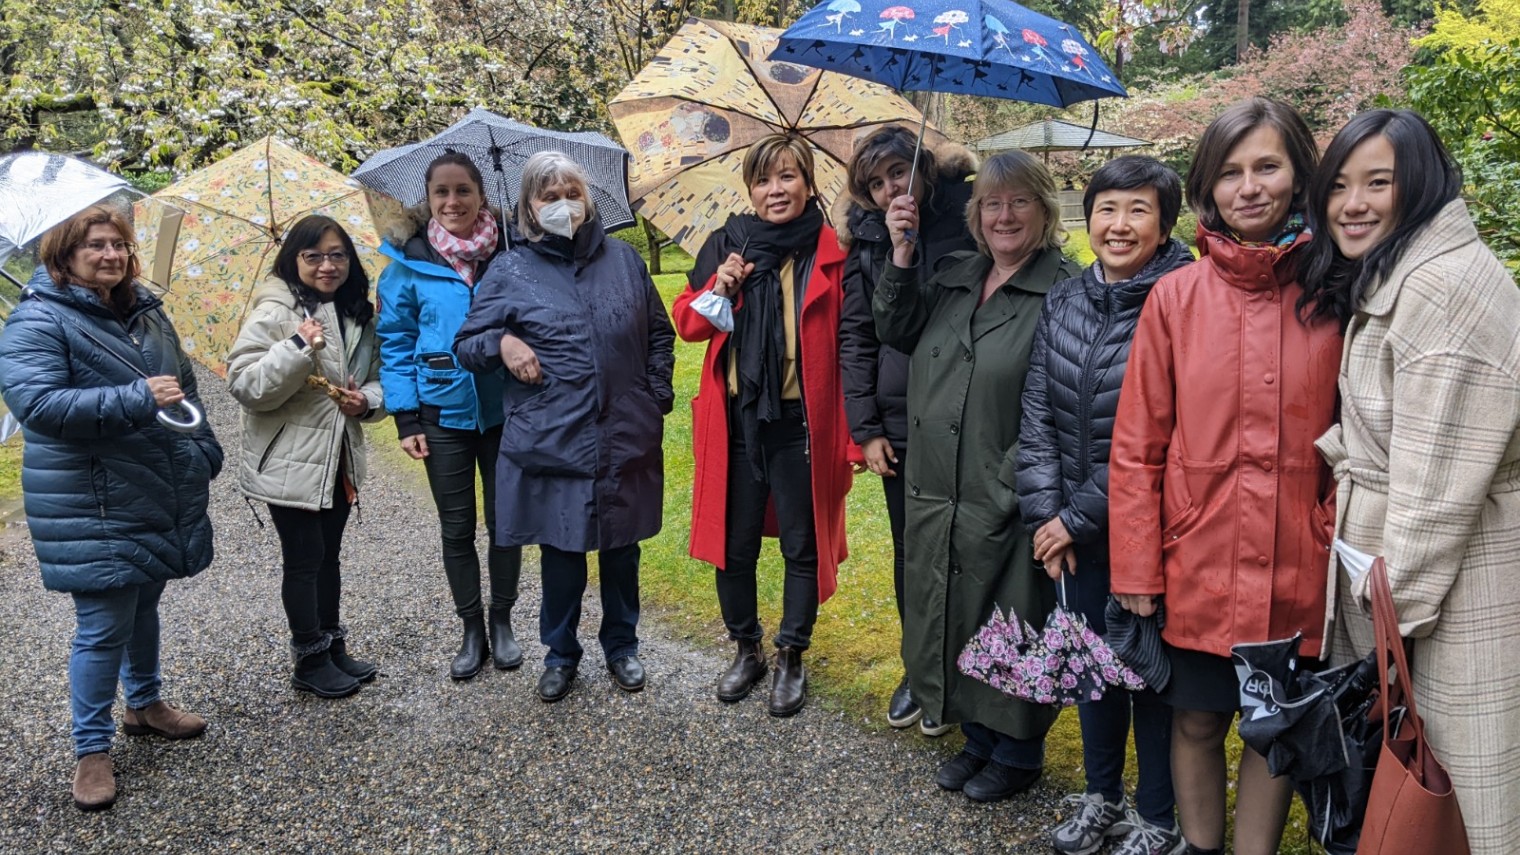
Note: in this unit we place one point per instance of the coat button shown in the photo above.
(1267, 465)
(967, 357)
(955, 429)
(1264, 277)
(952, 500)
(1269, 379)
(934, 351)
(915, 489)
(955, 568)
(1262, 560)
(915, 421)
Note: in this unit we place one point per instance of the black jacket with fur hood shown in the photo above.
(876, 376)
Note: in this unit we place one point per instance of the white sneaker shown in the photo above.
(1146, 839)
(1095, 821)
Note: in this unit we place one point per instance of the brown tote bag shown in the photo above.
(1411, 808)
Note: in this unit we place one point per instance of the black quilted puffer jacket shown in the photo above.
(1076, 367)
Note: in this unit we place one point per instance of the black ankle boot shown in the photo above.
(356, 668)
(789, 690)
(505, 652)
(316, 673)
(747, 669)
(472, 649)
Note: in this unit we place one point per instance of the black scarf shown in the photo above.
(759, 333)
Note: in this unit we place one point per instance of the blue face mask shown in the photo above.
(562, 217)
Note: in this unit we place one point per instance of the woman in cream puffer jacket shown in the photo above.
(306, 369)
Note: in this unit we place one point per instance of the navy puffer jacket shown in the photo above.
(1081, 348)
(113, 498)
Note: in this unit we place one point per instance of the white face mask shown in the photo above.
(562, 217)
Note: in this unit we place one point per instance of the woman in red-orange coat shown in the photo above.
(768, 425)
(1218, 498)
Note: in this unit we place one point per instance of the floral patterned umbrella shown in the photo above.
(237, 210)
(1064, 664)
(691, 113)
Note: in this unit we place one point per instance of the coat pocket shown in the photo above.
(552, 433)
(99, 485)
(268, 451)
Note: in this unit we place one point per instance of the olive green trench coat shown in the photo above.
(966, 547)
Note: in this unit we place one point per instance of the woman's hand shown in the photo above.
(353, 404)
(731, 275)
(1051, 538)
(1143, 605)
(310, 330)
(1064, 559)
(415, 446)
(520, 360)
(165, 390)
(902, 217)
(880, 455)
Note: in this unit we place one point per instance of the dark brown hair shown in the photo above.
(893, 141)
(63, 240)
(1226, 132)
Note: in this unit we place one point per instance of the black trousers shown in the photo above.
(788, 484)
(897, 515)
(564, 578)
(453, 458)
(309, 545)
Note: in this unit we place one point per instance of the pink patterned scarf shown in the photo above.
(463, 253)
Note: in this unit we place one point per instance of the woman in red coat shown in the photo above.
(768, 420)
(1218, 499)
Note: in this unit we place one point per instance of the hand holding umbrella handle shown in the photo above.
(188, 424)
(316, 340)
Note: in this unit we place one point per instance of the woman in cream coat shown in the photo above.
(1428, 450)
(306, 369)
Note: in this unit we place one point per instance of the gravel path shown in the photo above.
(418, 763)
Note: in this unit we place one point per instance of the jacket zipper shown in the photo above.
(1084, 416)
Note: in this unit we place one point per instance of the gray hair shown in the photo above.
(546, 169)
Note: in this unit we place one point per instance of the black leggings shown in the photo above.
(309, 544)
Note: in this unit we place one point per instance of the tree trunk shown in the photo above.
(1242, 29)
(652, 239)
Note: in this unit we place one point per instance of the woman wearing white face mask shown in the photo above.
(575, 319)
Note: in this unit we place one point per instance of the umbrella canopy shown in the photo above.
(237, 210)
(40, 190)
(499, 146)
(1055, 135)
(691, 113)
(992, 48)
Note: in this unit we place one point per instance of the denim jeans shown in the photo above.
(564, 579)
(115, 635)
(453, 457)
(1105, 731)
(789, 488)
(984, 743)
(310, 543)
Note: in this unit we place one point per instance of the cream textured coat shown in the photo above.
(1427, 457)
(294, 435)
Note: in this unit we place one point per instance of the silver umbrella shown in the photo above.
(498, 146)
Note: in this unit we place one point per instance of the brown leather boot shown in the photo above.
(789, 690)
(747, 669)
(94, 782)
(160, 719)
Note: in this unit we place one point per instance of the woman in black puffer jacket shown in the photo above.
(1081, 348)
(876, 376)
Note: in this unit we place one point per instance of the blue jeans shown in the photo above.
(984, 743)
(564, 578)
(1105, 730)
(116, 634)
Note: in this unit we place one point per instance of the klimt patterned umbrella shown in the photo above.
(237, 211)
(691, 113)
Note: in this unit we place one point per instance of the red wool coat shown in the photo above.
(1217, 496)
(823, 395)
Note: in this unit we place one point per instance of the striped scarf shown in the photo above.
(462, 254)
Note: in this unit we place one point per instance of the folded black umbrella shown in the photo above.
(1137, 641)
(1314, 727)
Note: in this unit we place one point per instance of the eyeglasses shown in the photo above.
(99, 247)
(315, 259)
(994, 207)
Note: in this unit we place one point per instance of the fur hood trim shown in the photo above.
(957, 163)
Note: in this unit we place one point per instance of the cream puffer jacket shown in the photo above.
(293, 434)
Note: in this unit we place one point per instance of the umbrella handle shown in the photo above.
(1061, 590)
(191, 421)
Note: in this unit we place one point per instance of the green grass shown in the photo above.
(10, 470)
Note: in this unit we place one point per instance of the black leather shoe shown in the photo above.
(628, 673)
(929, 727)
(555, 683)
(506, 654)
(902, 711)
(997, 782)
(747, 669)
(955, 772)
(472, 649)
(789, 687)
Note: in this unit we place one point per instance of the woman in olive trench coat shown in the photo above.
(967, 549)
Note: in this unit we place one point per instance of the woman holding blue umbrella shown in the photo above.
(447, 417)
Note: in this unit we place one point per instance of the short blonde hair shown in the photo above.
(63, 240)
(543, 170)
(1016, 171)
(766, 151)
